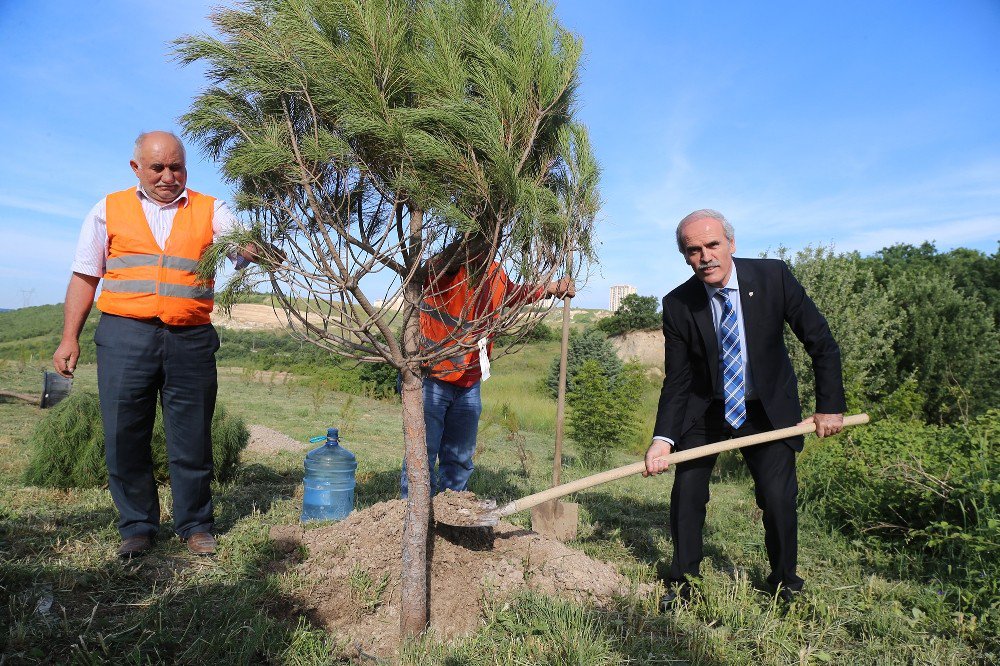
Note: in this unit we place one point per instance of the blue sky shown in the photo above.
(857, 124)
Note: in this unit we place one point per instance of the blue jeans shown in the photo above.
(451, 419)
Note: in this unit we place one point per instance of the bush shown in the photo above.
(864, 322)
(950, 345)
(602, 410)
(931, 492)
(636, 313)
(536, 332)
(379, 379)
(589, 345)
(67, 446)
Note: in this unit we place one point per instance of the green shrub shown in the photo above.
(863, 320)
(593, 345)
(636, 313)
(537, 332)
(229, 437)
(542, 332)
(950, 345)
(930, 492)
(67, 445)
(379, 379)
(602, 410)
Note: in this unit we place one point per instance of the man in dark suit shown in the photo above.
(728, 375)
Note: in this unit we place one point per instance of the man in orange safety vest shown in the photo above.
(154, 339)
(456, 300)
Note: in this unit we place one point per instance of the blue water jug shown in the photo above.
(329, 480)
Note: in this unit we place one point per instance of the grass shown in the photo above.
(66, 598)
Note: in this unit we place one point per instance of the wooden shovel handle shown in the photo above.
(561, 396)
(673, 458)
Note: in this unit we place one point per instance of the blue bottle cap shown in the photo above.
(331, 433)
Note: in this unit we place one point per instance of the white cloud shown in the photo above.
(957, 207)
(947, 234)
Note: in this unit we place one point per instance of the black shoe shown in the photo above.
(676, 594)
(787, 595)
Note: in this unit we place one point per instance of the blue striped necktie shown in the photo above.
(731, 361)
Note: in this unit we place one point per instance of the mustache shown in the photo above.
(710, 264)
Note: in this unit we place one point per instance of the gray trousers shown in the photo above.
(139, 360)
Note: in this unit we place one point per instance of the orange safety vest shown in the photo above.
(142, 280)
(446, 317)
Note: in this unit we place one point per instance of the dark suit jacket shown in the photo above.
(692, 349)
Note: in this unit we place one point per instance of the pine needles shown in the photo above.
(67, 446)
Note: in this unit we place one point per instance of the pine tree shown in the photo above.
(67, 445)
(375, 143)
(602, 416)
(591, 344)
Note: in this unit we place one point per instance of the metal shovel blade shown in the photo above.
(464, 509)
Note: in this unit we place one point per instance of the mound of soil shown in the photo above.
(351, 573)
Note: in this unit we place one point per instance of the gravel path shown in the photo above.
(265, 441)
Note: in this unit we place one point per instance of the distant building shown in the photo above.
(618, 292)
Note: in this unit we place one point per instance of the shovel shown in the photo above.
(558, 519)
(484, 513)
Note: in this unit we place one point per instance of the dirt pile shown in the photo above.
(351, 573)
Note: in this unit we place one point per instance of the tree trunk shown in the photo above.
(413, 614)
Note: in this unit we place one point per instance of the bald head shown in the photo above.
(157, 136)
(159, 162)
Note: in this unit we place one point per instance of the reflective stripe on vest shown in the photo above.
(444, 317)
(144, 281)
(133, 260)
(166, 289)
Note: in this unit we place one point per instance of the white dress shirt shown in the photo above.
(92, 248)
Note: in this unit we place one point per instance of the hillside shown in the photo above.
(279, 595)
(646, 347)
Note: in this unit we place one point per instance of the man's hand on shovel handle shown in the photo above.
(654, 463)
(826, 424)
(561, 288)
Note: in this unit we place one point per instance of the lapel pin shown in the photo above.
(750, 294)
